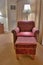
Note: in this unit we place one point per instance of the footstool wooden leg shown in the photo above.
(33, 57)
(17, 56)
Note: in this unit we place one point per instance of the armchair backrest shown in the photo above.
(26, 25)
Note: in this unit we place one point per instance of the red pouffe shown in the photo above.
(26, 45)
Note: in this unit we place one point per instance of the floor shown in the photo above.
(8, 56)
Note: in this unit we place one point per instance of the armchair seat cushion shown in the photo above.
(21, 34)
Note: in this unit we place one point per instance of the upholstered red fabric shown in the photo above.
(26, 25)
(26, 45)
(30, 51)
(17, 29)
(25, 29)
(25, 40)
(35, 30)
(25, 34)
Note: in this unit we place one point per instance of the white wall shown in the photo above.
(31, 17)
(20, 7)
(37, 13)
(4, 17)
(11, 15)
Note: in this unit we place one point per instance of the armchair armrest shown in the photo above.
(15, 31)
(36, 32)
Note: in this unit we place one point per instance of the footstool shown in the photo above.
(26, 45)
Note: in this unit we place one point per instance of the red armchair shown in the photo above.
(24, 29)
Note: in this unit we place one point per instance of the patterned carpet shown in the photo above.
(8, 56)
